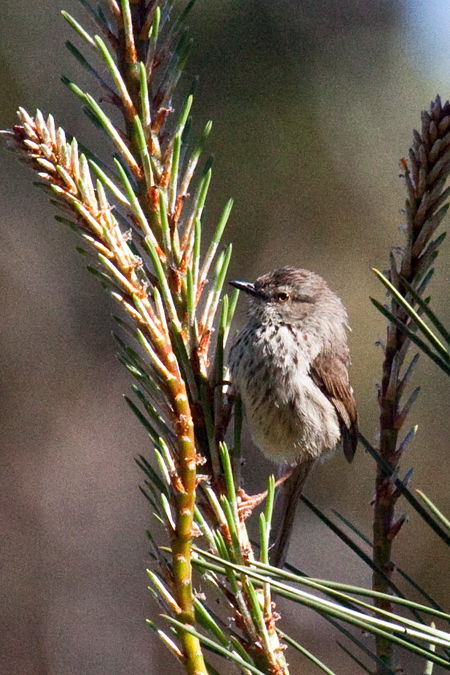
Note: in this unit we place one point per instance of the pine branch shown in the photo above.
(154, 271)
(425, 174)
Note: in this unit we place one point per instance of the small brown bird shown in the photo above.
(289, 365)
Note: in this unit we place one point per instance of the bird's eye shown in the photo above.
(282, 296)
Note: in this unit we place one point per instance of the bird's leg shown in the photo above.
(246, 503)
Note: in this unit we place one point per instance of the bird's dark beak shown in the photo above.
(246, 287)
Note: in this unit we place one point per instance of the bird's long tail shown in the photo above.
(284, 511)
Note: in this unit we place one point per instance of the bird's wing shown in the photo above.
(329, 372)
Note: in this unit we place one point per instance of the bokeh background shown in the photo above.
(313, 105)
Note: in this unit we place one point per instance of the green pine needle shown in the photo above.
(79, 29)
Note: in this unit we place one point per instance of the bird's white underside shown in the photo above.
(289, 417)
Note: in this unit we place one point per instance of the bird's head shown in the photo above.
(290, 296)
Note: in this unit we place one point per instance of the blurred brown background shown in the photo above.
(313, 105)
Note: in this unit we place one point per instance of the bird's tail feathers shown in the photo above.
(284, 511)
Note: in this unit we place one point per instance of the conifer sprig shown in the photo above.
(425, 174)
(142, 235)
